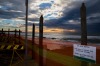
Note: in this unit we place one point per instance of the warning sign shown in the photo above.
(83, 52)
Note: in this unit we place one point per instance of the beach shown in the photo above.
(56, 52)
(61, 49)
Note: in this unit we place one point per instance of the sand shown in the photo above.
(63, 48)
(59, 47)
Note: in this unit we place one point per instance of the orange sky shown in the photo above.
(46, 30)
(50, 30)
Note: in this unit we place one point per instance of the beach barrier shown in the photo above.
(11, 47)
(12, 52)
(7, 37)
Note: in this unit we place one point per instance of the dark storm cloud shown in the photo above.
(33, 19)
(15, 4)
(94, 21)
(94, 8)
(74, 14)
(32, 11)
(16, 8)
(9, 14)
(94, 29)
(12, 8)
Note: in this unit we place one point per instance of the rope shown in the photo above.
(19, 56)
(17, 63)
(12, 58)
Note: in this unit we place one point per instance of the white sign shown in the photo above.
(83, 51)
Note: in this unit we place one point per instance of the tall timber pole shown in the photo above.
(83, 30)
(41, 41)
(19, 36)
(15, 36)
(33, 42)
(83, 25)
(8, 34)
(26, 49)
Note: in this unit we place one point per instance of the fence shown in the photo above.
(10, 46)
(12, 36)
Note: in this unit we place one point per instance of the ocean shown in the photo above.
(63, 37)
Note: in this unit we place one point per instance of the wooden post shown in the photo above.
(2, 31)
(83, 25)
(83, 30)
(26, 30)
(19, 36)
(33, 42)
(15, 36)
(41, 41)
(8, 34)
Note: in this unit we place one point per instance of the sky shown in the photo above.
(60, 16)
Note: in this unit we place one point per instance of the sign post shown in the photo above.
(85, 53)
(83, 29)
